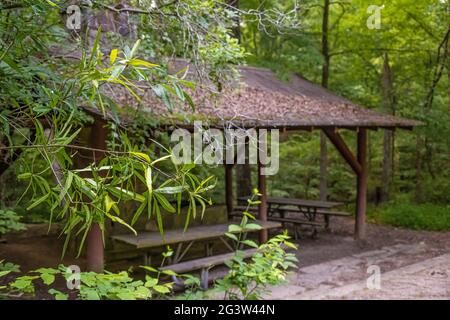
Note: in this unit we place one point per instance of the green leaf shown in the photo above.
(92, 295)
(161, 159)
(169, 272)
(4, 273)
(232, 236)
(47, 278)
(253, 226)
(234, 228)
(58, 294)
(113, 55)
(126, 296)
(24, 176)
(122, 222)
(250, 243)
(118, 192)
(151, 282)
(248, 214)
(139, 62)
(189, 100)
(39, 201)
(138, 212)
(109, 203)
(162, 200)
(161, 289)
(142, 156)
(170, 190)
(149, 268)
(134, 49)
(148, 180)
(67, 185)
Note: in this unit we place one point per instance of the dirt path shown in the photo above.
(413, 265)
(406, 272)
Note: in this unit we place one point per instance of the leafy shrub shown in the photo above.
(9, 221)
(249, 280)
(268, 266)
(9, 266)
(93, 286)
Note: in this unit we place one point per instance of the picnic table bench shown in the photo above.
(205, 264)
(308, 208)
(183, 240)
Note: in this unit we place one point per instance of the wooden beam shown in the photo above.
(229, 187)
(94, 245)
(343, 149)
(262, 210)
(361, 197)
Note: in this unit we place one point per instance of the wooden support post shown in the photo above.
(229, 187)
(359, 166)
(361, 199)
(262, 210)
(94, 245)
(95, 250)
(343, 149)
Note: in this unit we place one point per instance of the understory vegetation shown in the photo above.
(414, 216)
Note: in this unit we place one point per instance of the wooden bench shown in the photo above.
(204, 264)
(184, 240)
(324, 212)
(297, 223)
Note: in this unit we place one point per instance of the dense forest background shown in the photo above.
(400, 66)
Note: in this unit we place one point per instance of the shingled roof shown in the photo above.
(260, 99)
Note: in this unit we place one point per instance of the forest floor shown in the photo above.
(413, 264)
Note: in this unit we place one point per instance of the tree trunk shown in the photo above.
(236, 28)
(323, 188)
(325, 76)
(418, 165)
(448, 88)
(388, 104)
(361, 195)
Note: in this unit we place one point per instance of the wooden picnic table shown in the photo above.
(145, 241)
(303, 203)
(308, 208)
(298, 202)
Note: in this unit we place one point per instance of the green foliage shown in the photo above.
(93, 286)
(268, 266)
(421, 158)
(9, 266)
(413, 216)
(38, 87)
(9, 221)
(118, 286)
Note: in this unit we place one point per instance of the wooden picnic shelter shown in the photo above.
(261, 100)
